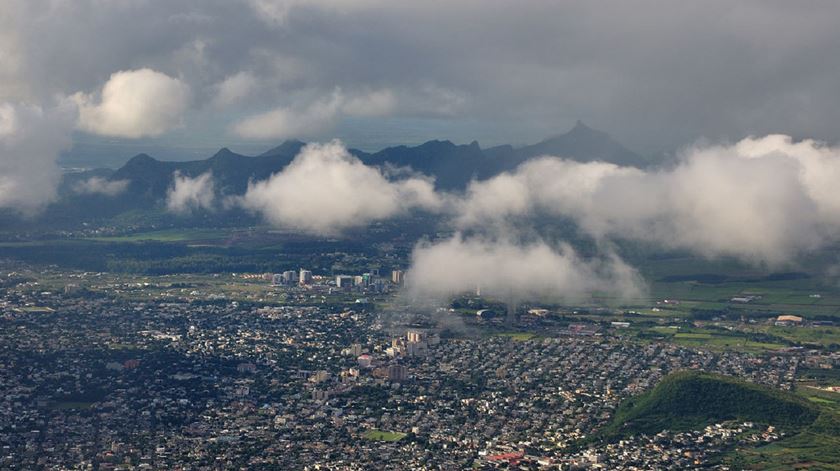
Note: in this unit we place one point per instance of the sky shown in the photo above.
(743, 94)
(188, 76)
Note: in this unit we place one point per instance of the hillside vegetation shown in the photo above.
(689, 400)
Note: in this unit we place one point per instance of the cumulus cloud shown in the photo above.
(134, 103)
(556, 184)
(188, 194)
(100, 186)
(31, 138)
(326, 189)
(313, 118)
(511, 270)
(763, 200)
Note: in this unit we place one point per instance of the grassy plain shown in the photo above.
(382, 436)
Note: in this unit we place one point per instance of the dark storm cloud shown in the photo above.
(656, 74)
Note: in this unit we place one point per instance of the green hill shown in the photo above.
(689, 400)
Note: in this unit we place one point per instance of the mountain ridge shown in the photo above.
(453, 166)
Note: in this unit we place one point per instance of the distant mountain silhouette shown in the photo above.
(290, 147)
(453, 166)
(585, 144)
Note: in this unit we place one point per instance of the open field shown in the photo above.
(712, 338)
(169, 235)
(518, 336)
(807, 335)
(381, 436)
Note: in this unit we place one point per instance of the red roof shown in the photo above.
(506, 456)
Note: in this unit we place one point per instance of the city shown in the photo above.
(100, 381)
(416, 235)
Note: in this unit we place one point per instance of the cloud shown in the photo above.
(600, 62)
(100, 186)
(134, 103)
(189, 194)
(316, 117)
(372, 104)
(763, 200)
(277, 12)
(326, 189)
(31, 138)
(235, 88)
(548, 183)
(292, 122)
(516, 270)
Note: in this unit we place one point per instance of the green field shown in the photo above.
(816, 448)
(817, 336)
(381, 436)
(169, 235)
(711, 338)
(518, 336)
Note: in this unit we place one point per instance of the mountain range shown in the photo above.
(453, 166)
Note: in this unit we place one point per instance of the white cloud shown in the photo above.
(516, 271)
(325, 190)
(133, 104)
(763, 200)
(30, 140)
(189, 194)
(100, 186)
(563, 186)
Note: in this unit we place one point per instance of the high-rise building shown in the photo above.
(397, 277)
(305, 277)
(343, 281)
(397, 373)
(414, 349)
(414, 336)
(289, 277)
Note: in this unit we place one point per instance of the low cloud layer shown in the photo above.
(763, 200)
(326, 189)
(100, 186)
(189, 194)
(133, 104)
(516, 271)
(31, 138)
